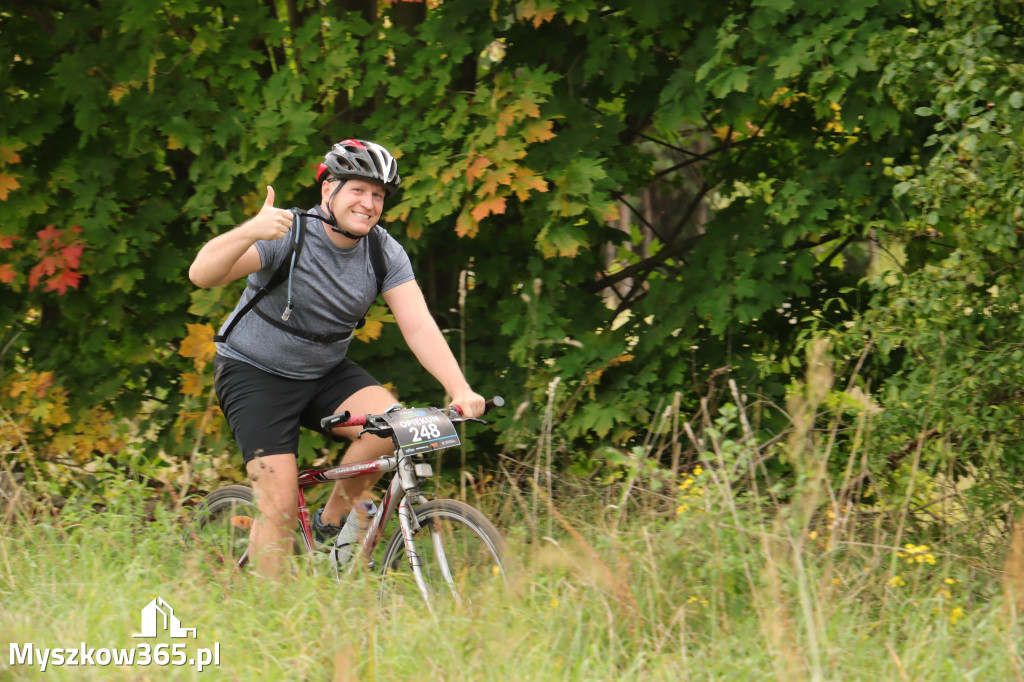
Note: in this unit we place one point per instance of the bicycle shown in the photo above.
(465, 551)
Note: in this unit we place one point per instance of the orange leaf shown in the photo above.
(506, 118)
(7, 273)
(539, 15)
(42, 382)
(477, 167)
(538, 131)
(199, 343)
(191, 384)
(8, 183)
(7, 242)
(10, 154)
(496, 178)
(525, 180)
(495, 205)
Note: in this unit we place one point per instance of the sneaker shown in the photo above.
(327, 536)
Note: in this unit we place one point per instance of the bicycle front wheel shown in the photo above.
(221, 522)
(460, 557)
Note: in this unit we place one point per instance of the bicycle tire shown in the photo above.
(471, 547)
(217, 527)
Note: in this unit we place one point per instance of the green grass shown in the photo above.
(694, 583)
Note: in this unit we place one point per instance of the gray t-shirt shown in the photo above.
(331, 289)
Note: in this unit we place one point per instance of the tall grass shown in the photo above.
(705, 594)
(716, 573)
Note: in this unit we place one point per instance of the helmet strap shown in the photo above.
(357, 237)
(332, 221)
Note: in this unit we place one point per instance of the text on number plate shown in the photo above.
(422, 429)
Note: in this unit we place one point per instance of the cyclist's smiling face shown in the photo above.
(357, 206)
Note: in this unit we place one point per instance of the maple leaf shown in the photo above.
(466, 225)
(539, 14)
(10, 154)
(477, 167)
(43, 268)
(119, 91)
(199, 343)
(375, 319)
(8, 183)
(538, 131)
(60, 283)
(72, 254)
(7, 242)
(7, 273)
(526, 180)
(49, 233)
(495, 205)
(505, 119)
(191, 384)
(495, 179)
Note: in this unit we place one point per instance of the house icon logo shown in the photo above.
(158, 615)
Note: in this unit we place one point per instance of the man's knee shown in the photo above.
(275, 481)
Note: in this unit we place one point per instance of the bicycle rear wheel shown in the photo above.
(461, 555)
(221, 522)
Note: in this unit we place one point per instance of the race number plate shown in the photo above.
(423, 429)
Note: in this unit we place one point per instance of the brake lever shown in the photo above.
(382, 432)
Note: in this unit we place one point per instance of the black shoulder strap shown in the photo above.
(279, 276)
(380, 266)
(377, 264)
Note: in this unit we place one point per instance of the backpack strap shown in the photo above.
(375, 244)
(379, 266)
(279, 276)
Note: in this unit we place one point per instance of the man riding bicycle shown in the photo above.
(281, 362)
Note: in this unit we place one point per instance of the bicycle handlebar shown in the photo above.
(376, 423)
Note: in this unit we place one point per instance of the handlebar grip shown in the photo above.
(496, 401)
(329, 422)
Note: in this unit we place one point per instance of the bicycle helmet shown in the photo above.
(360, 159)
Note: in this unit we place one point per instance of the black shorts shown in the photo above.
(265, 410)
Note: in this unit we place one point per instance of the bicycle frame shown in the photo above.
(403, 490)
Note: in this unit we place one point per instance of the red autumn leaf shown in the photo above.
(7, 242)
(60, 283)
(49, 233)
(7, 273)
(45, 267)
(72, 254)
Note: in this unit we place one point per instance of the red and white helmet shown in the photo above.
(360, 159)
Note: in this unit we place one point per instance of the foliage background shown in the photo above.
(612, 210)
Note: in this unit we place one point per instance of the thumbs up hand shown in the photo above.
(271, 223)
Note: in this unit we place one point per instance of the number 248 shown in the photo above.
(425, 432)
